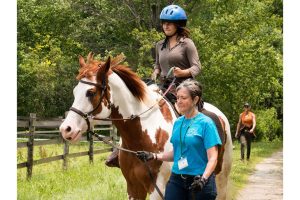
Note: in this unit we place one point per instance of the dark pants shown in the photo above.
(178, 188)
(245, 140)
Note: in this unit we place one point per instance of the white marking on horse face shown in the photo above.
(74, 124)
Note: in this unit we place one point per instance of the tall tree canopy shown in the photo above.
(239, 44)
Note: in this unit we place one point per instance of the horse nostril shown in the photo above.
(68, 129)
(69, 138)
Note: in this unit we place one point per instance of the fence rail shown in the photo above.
(32, 123)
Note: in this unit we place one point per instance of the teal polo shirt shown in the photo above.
(197, 135)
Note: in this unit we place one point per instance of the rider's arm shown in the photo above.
(193, 57)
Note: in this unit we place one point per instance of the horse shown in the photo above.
(112, 91)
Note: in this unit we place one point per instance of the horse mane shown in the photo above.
(89, 70)
(131, 80)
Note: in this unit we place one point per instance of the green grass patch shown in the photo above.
(83, 180)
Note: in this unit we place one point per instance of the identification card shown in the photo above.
(182, 163)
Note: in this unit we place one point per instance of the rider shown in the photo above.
(177, 50)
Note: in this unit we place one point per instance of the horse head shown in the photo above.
(91, 97)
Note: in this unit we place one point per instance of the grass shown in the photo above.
(83, 180)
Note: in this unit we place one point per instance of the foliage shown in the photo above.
(239, 44)
(268, 126)
(242, 58)
(146, 52)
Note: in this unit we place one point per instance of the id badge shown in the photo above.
(182, 163)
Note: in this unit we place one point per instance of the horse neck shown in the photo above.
(122, 97)
(149, 125)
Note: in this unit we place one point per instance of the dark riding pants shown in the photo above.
(178, 188)
(245, 140)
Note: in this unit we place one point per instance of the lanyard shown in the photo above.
(184, 133)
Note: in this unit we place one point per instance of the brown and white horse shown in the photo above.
(110, 90)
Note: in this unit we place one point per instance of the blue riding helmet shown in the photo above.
(173, 13)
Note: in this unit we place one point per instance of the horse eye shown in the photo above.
(90, 93)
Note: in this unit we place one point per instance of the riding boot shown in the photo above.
(113, 159)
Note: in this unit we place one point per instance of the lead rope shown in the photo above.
(153, 182)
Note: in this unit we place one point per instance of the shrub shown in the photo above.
(268, 127)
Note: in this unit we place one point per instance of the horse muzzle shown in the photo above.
(70, 134)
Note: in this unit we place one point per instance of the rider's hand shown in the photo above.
(198, 184)
(154, 74)
(236, 135)
(145, 155)
(181, 72)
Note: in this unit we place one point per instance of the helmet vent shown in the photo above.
(171, 12)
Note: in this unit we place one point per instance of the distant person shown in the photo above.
(245, 130)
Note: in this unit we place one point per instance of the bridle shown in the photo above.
(88, 115)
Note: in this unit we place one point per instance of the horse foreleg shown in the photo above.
(136, 192)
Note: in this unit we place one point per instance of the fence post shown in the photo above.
(30, 144)
(91, 144)
(113, 134)
(66, 153)
(66, 149)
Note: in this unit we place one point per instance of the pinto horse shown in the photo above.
(144, 120)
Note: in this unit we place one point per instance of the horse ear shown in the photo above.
(90, 57)
(105, 68)
(81, 61)
(107, 64)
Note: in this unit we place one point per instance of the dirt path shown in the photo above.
(266, 181)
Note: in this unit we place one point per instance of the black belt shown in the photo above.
(185, 176)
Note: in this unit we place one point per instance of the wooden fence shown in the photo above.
(31, 125)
